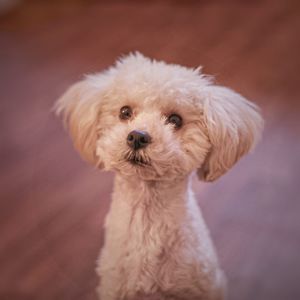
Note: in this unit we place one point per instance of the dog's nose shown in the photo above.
(138, 139)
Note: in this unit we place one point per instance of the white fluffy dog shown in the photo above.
(154, 124)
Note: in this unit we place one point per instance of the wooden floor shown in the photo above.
(52, 204)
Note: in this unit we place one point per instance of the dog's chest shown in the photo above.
(145, 248)
(149, 251)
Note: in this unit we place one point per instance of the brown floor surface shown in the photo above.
(52, 204)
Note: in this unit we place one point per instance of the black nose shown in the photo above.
(138, 139)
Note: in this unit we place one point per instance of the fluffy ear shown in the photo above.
(234, 126)
(80, 106)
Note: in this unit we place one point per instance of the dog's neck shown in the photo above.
(142, 208)
(152, 193)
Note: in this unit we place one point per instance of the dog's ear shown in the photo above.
(80, 107)
(234, 126)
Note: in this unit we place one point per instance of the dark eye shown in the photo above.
(125, 113)
(175, 119)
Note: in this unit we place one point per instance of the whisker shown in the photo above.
(127, 155)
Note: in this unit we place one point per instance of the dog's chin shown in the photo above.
(147, 166)
(137, 169)
(138, 163)
(138, 159)
(147, 169)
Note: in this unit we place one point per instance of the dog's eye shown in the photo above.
(125, 113)
(175, 119)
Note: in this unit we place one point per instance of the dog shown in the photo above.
(155, 125)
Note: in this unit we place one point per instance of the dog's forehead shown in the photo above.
(157, 84)
(153, 75)
(146, 97)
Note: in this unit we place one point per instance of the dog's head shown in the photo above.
(158, 122)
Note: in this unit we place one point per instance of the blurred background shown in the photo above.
(52, 204)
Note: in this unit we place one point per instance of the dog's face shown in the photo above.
(156, 121)
(150, 136)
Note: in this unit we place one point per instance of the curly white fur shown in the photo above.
(156, 242)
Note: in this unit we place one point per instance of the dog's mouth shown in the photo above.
(138, 159)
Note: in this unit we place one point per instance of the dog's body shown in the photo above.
(154, 124)
(157, 244)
